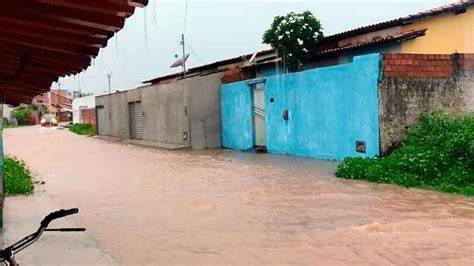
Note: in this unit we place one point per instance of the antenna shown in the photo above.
(109, 77)
(184, 55)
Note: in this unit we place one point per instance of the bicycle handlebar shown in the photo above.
(6, 254)
(56, 215)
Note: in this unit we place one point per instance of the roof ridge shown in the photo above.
(401, 20)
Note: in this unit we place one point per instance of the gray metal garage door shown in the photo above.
(136, 120)
(100, 120)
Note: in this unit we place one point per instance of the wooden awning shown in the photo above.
(42, 40)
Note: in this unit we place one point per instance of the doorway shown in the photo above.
(100, 120)
(136, 120)
(259, 112)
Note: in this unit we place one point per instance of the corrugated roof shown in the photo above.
(459, 6)
(42, 40)
(191, 71)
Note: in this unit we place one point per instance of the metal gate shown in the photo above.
(136, 120)
(259, 114)
(100, 120)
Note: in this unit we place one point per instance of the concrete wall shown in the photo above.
(116, 113)
(204, 111)
(415, 84)
(184, 113)
(329, 110)
(86, 102)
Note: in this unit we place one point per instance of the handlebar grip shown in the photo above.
(56, 215)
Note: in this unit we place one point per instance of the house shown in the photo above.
(7, 114)
(83, 110)
(171, 111)
(446, 29)
(59, 102)
(359, 90)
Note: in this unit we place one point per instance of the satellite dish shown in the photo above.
(180, 61)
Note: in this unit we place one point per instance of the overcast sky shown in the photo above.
(215, 30)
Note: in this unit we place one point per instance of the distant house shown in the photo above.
(81, 105)
(7, 113)
(59, 102)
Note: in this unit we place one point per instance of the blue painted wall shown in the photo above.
(329, 109)
(236, 116)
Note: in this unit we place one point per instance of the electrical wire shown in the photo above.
(195, 54)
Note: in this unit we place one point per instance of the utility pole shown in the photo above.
(109, 76)
(184, 55)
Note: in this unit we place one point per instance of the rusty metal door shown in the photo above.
(136, 120)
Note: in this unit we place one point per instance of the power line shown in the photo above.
(195, 54)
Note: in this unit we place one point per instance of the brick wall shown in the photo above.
(234, 75)
(426, 65)
(414, 84)
(88, 116)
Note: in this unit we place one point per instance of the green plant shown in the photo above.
(294, 35)
(438, 153)
(17, 177)
(21, 115)
(82, 129)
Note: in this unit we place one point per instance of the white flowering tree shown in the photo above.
(293, 36)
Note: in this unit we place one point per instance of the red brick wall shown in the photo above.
(234, 75)
(466, 62)
(34, 117)
(425, 65)
(88, 116)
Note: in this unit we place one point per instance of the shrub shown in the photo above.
(17, 177)
(21, 115)
(294, 35)
(82, 129)
(438, 153)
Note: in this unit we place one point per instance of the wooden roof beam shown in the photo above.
(64, 14)
(27, 19)
(49, 35)
(41, 54)
(135, 3)
(48, 45)
(114, 9)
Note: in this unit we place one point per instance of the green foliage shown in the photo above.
(82, 129)
(21, 115)
(438, 153)
(294, 35)
(22, 112)
(17, 177)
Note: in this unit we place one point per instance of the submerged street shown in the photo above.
(149, 206)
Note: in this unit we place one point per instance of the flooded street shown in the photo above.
(147, 206)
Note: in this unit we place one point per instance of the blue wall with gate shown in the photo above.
(236, 108)
(329, 109)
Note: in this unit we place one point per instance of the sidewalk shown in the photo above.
(22, 217)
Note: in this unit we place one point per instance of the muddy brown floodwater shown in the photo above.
(149, 206)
